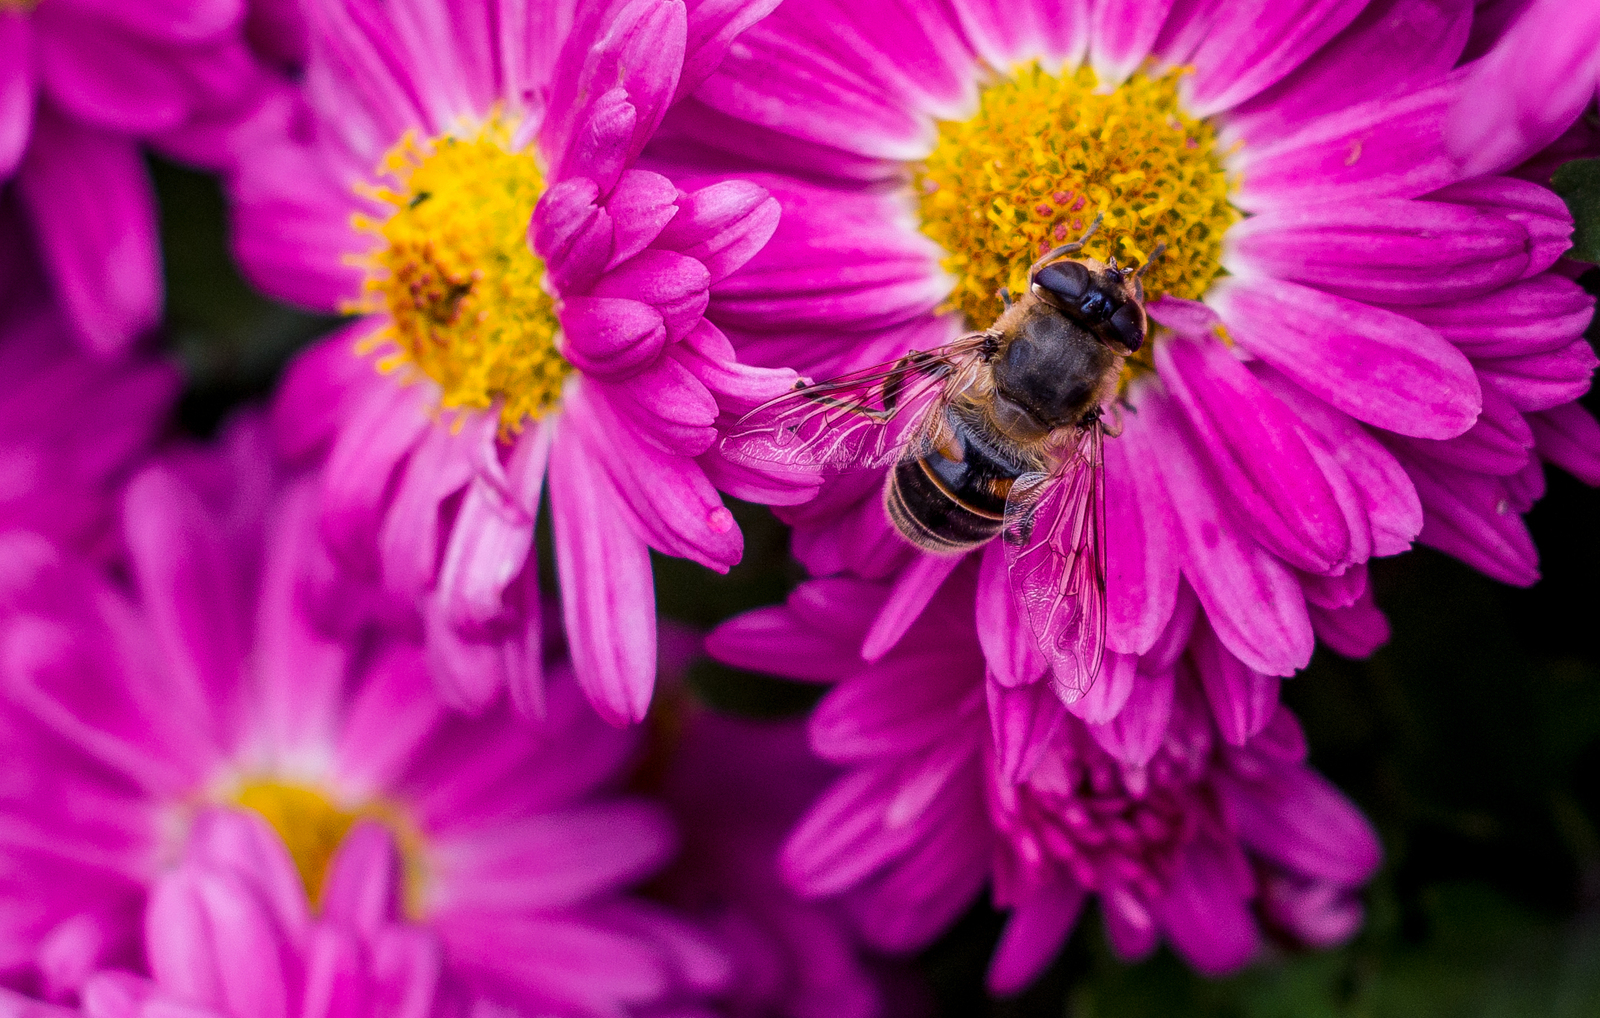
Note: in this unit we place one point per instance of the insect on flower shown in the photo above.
(996, 433)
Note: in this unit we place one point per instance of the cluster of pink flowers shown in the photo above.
(289, 725)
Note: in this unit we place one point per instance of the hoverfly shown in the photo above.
(998, 433)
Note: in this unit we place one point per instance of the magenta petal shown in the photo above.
(1139, 729)
(713, 25)
(1206, 920)
(490, 542)
(1383, 251)
(1534, 316)
(1538, 209)
(1110, 691)
(669, 406)
(1140, 547)
(191, 584)
(1374, 365)
(1034, 933)
(673, 284)
(1022, 721)
(240, 840)
(723, 225)
(363, 880)
(164, 20)
(381, 430)
(1394, 514)
(1242, 700)
(1542, 381)
(1296, 818)
(608, 601)
(572, 234)
(1121, 33)
(1008, 644)
(1377, 149)
(913, 589)
(1569, 437)
(1354, 631)
(1393, 47)
(209, 940)
(1250, 598)
(16, 90)
(611, 336)
(1466, 515)
(1258, 453)
(110, 79)
(894, 708)
(93, 211)
(675, 508)
(408, 541)
(640, 206)
(1248, 48)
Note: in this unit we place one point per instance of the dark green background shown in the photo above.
(1472, 739)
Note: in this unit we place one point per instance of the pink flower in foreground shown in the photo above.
(1360, 346)
(480, 366)
(81, 84)
(229, 930)
(1540, 76)
(1199, 833)
(737, 787)
(131, 706)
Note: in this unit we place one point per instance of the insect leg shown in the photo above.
(1064, 249)
(1004, 293)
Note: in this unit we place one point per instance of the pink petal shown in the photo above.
(1203, 916)
(1242, 700)
(611, 336)
(89, 198)
(1569, 437)
(608, 601)
(1247, 48)
(1383, 251)
(1140, 546)
(1022, 721)
(913, 589)
(1250, 598)
(1374, 365)
(1035, 931)
(17, 85)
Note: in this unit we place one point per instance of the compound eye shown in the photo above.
(1129, 325)
(1065, 282)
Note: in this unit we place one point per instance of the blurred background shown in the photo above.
(1472, 740)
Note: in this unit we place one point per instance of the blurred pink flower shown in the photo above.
(74, 426)
(1189, 830)
(132, 705)
(486, 367)
(737, 787)
(82, 83)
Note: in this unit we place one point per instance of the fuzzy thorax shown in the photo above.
(462, 291)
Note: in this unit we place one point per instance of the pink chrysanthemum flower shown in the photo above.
(81, 83)
(1361, 347)
(1203, 836)
(74, 426)
(126, 712)
(435, 131)
(738, 787)
(1532, 85)
(229, 932)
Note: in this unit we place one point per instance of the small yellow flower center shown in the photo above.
(312, 827)
(454, 274)
(1045, 155)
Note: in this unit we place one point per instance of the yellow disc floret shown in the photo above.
(1045, 155)
(312, 827)
(463, 292)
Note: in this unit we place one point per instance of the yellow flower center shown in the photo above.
(454, 274)
(312, 827)
(1045, 155)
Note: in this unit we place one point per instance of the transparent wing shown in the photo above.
(1056, 561)
(862, 419)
